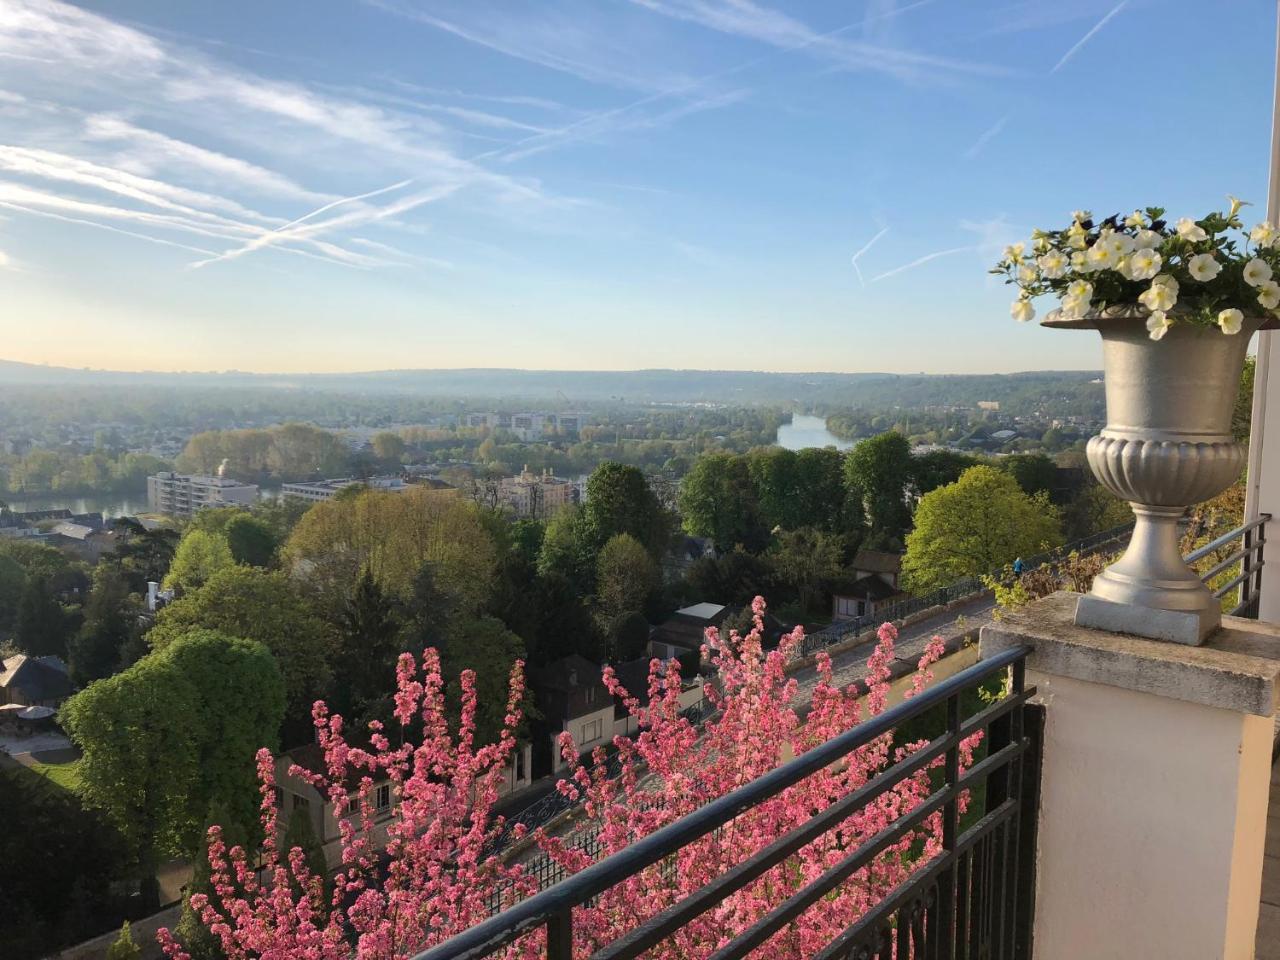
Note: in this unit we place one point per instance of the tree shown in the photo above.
(42, 627)
(805, 559)
(144, 555)
(938, 468)
(447, 804)
(1093, 510)
(267, 607)
(251, 540)
(877, 470)
(1033, 471)
(370, 638)
(388, 446)
(717, 500)
(974, 526)
(569, 549)
(733, 578)
(199, 556)
(110, 624)
(619, 500)
(123, 948)
(486, 647)
(820, 492)
(169, 739)
(13, 581)
(392, 535)
(626, 576)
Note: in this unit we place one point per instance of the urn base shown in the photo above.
(1191, 627)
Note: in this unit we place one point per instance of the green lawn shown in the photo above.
(65, 775)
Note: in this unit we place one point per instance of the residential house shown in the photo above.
(871, 584)
(183, 495)
(634, 677)
(34, 681)
(685, 629)
(572, 698)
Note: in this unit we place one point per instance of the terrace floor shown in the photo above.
(1268, 947)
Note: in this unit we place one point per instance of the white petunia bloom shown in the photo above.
(1166, 280)
(1121, 244)
(1256, 272)
(1230, 321)
(1080, 290)
(1053, 264)
(1101, 257)
(1148, 238)
(1081, 215)
(1157, 324)
(1076, 237)
(1158, 296)
(1263, 234)
(1022, 310)
(1188, 229)
(1014, 252)
(1144, 264)
(1203, 267)
(1027, 273)
(1137, 219)
(1077, 261)
(1269, 295)
(1075, 308)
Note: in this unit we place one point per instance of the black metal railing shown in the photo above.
(843, 630)
(1248, 559)
(972, 900)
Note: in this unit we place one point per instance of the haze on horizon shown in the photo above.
(573, 185)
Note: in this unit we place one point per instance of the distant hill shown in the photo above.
(630, 386)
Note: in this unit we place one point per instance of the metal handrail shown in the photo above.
(551, 907)
(1250, 556)
(1222, 541)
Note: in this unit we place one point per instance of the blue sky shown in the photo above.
(590, 184)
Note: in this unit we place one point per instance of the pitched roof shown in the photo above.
(869, 587)
(877, 561)
(39, 678)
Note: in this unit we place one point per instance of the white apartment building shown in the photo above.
(527, 426)
(319, 490)
(181, 494)
(537, 495)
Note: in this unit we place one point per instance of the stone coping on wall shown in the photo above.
(1238, 667)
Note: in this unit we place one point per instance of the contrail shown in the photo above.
(865, 247)
(1089, 36)
(921, 260)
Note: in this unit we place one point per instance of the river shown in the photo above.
(128, 504)
(806, 431)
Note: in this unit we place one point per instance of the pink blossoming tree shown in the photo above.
(442, 871)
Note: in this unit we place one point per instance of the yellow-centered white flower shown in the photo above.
(1014, 252)
(1147, 238)
(1119, 243)
(1137, 219)
(1269, 295)
(1263, 234)
(1022, 310)
(1166, 280)
(1257, 272)
(1157, 324)
(1101, 256)
(1188, 229)
(1144, 264)
(1158, 297)
(1053, 264)
(1203, 267)
(1027, 273)
(1080, 290)
(1230, 321)
(1075, 308)
(1076, 237)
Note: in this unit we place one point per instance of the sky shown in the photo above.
(591, 184)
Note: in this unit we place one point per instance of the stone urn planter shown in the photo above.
(1167, 445)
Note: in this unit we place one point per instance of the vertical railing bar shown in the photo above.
(560, 935)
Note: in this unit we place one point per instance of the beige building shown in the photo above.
(536, 495)
(182, 495)
(318, 491)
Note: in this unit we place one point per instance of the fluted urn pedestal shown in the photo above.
(1167, 445)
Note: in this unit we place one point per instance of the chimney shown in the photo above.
(153, 591)
(222, 468)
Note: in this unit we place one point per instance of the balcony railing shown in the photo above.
(974, 899)
(1249, 557)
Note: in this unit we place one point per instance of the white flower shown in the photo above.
(1081, 215)
(1157, 324)
(1236, 204)
(1119, 243)
(1080, 290)
(1148, 238)
(1077, 261)
(1166, 280)
(1076, 237)
(1264, 234)
(1256, 272)
(1027, 273)
(1124, 268)
(1230, 320)
(1188, 229)
(1014, 252)
(1203, 267)
(1158, 297)
(1137, 219)
(1101, 256)
(1269, 295)
(1053, 264)
(1022, 311)
(1144, 264)
(1074, 308)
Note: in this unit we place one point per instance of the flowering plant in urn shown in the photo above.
(1208, 272)
(1200, 289)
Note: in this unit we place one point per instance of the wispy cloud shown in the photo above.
(919, 262)
(1089, 36)
(862, 250)
(986, 137)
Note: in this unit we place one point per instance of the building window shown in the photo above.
(300, 803)
(591, 731)
(382, 798)
(520, 774)
(590, 694)
(278, 796)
